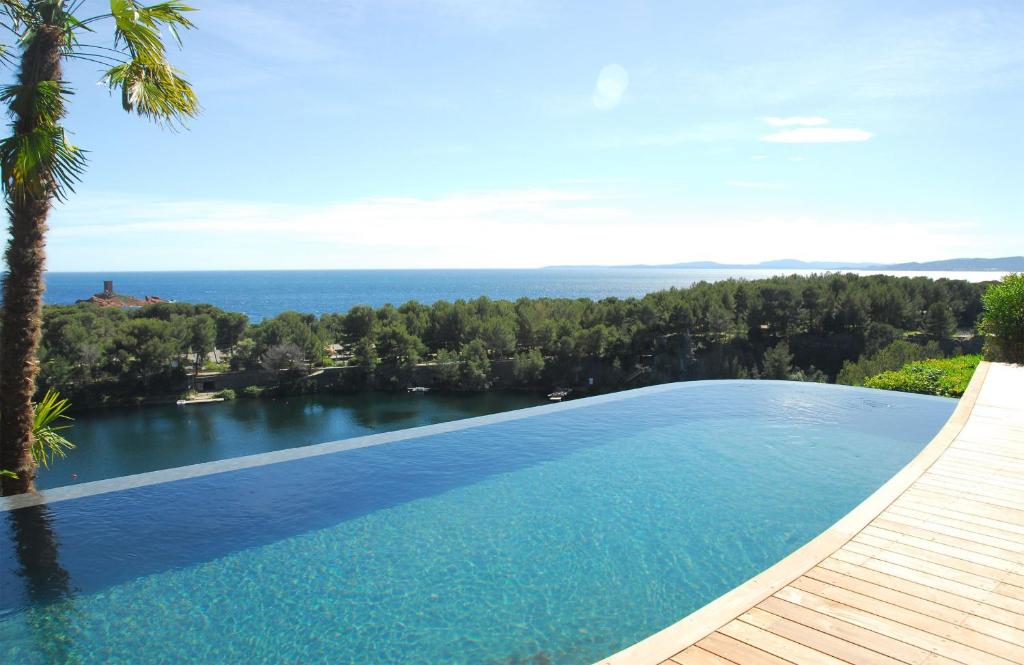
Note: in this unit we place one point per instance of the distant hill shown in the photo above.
(1006, 264)
(713, 265)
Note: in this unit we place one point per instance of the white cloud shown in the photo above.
(611, 85)
(501, 229)
(818, 135)
(808, 121)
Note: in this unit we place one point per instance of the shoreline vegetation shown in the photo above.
(829, 328)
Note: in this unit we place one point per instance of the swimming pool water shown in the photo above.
(553, 535)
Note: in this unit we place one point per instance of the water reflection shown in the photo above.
(45, 582)
(129, 441)
(36, 549)
(375, 417)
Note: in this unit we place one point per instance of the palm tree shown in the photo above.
(38, 164)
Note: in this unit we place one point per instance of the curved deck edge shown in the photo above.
(686, 632)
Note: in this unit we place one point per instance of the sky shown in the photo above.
(523, 133)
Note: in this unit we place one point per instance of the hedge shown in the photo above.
(947, 377)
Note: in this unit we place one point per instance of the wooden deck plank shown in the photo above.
(939, 582)
(1008, 537)
(955, 472)
(974, 434)
(981, 505)
(927, 592)
(974, 483)
(909, 617)
(996, 547)
(782, 647)
(965, 504)
(697, 656)
(972, 466)
(821, 633)
(997, 496)
(932, 573)
(738, 652)
(1009, 452)
(922, 639)
(959, 612)
(983, 456)
(953, 558)
(997, 475)
(964, 550)
(940, 508)
(981, 582)
(998, 439)
(971, 457)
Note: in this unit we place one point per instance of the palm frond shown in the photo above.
(47, 441)
(153, 90)
(5, 55)
(137, 27)
(44, 101)
(41, 158)
(17, 11)
(149, 85)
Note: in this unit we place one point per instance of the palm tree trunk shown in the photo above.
(23, 284)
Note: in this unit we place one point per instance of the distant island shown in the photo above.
(1005, 264)
(108, 298)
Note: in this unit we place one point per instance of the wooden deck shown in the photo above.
(929, 569)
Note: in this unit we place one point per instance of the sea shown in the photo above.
(263, 294)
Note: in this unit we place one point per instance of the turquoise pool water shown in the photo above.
(551, 535)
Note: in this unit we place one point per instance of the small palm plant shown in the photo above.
(48, 443)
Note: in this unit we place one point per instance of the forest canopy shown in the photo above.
(814, 327)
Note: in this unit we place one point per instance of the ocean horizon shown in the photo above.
(261, 294)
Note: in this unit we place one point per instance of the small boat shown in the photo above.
(417, 389)
(205, 400)
(558, 395)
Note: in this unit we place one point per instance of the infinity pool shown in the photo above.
(557, 534)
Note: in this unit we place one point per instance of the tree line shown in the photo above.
(816, 327)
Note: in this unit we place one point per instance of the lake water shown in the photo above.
(262, 293)
(120, 442)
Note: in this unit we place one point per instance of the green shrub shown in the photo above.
(211, 366)
(227, 393)
(947, 377)
(1002, 319)
(253, 391)
(891, 358)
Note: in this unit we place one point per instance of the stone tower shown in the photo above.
(108, 287)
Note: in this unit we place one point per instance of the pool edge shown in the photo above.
(145, 479)
(689, 630)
